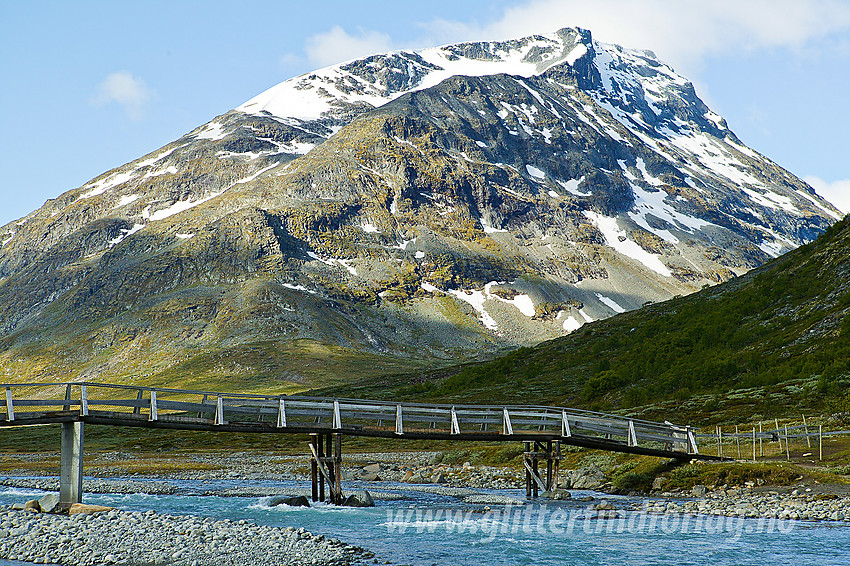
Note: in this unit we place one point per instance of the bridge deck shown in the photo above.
(120, 405)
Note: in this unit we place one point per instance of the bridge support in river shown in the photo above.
(548, 452)
(71, 463)
(326, 466)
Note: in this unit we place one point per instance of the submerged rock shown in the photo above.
(557, 494)
(293, 501)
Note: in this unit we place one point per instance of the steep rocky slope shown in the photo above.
(773, 342)
(393, 211)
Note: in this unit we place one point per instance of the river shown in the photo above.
(433, 529)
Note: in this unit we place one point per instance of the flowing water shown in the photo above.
(430, 529)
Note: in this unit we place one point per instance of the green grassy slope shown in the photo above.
(774, 341)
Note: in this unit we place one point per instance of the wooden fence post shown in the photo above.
(738, 441)
(787, 450)
(806, 428)
(754, 444)
(720, 441)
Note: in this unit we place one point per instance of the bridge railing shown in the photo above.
(28, 401)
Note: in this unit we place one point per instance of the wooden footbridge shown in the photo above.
(542, 429)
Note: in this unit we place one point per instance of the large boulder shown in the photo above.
(372, 468)
(292, 501)
(415, 476)
(48, 503)
(438, 477)
(360, 498)
(87, 509)
(588, 477)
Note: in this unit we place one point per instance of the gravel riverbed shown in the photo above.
(136, 538)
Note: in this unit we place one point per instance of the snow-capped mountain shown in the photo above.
(429, 204)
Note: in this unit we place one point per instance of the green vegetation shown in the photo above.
(689, 475)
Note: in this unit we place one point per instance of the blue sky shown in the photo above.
(87, 86)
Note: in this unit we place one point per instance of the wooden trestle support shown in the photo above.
(548, 451)
(326, 466)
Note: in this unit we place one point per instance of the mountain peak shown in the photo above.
(378, 79)
(433, 204)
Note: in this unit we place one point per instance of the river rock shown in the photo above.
(293, 501)
(698, 490)
(32, 504)
(414, 477)
(48, 503)
(370, 476)
(658, 483)
(588, 477)
(87, 509)
(606, 514)
(360, 498)
(372, 468)
(557, 494)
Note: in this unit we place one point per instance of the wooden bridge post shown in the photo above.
(527, 469)
(321, 456)
(332, 469)
(337, 469)
(535, 488)
(557, 466)
(71, 463)
(314, 468)
(549, 462)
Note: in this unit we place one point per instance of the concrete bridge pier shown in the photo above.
(71, 463)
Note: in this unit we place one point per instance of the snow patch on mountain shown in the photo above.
(619, 240)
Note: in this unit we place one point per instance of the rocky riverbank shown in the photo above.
(799, 504)
(404, 467)
(135, 538)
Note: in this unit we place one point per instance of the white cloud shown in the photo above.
(836, 192)
(681, 32)
(336, 45)
(128, 91)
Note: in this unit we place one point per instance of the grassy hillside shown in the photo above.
(774, 341)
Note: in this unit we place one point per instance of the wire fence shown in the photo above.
(768, 440)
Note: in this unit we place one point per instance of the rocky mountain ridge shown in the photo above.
(438, 204)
